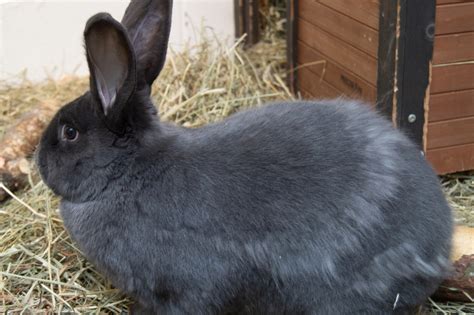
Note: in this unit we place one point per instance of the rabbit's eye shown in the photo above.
(70, 133)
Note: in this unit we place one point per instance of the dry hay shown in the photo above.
(449, 308)
(459, 189)
(42, 271)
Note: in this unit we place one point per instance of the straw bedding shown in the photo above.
(42, 271)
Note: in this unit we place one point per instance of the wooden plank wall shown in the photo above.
(450, 135)
(337, 47)
(337, 54)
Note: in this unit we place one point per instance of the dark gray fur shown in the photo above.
(291, 208)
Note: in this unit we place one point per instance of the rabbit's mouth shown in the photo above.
(40, 163)
(41, 160)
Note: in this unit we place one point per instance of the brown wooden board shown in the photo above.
(306, 95)
(451, 105)
(254, 21)
(453, 77)
(335, 75)
(239, 18)
(315, 85)
(246, 15)
(345, 28)
(386, 61)
(455, 18)
(364, 11)
(452, 159)
(342, 53)
(453, 48)
(438, 2)
(450, 111)
(450, 133)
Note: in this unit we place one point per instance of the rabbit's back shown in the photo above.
(314, 159)
(328, 190)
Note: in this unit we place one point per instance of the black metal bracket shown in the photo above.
(292, 44)
(415, 53)
(404, 66)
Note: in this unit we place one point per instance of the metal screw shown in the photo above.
(430, 31)
(411, 118)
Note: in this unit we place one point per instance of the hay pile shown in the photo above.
(459, 189)
(41, 270)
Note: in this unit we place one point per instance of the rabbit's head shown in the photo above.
(95, 132)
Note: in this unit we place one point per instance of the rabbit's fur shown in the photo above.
(291, 208)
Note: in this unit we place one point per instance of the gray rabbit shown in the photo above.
(291, 208)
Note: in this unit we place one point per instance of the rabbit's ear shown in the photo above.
(111, 62)
(148, 23)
